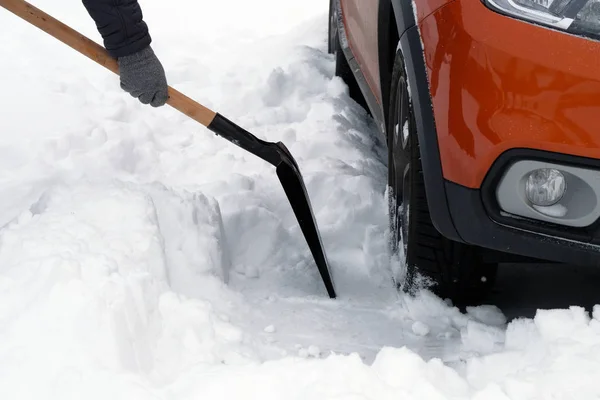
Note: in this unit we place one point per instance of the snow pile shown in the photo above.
(143, 257)
(555, 355)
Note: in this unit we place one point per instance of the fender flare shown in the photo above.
(410, 48)
(404, 13)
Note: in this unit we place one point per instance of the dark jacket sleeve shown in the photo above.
(121, 24)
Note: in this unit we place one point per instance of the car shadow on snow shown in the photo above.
(522, 289)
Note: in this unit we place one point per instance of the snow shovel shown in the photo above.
(275, 153)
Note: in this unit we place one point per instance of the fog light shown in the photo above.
(545, 187)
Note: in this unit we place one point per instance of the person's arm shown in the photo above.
(126, 37)
(121, 25)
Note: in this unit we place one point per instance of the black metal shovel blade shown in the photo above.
(293, 185)
(295, 189)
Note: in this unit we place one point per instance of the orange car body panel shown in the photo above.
(360, 20)
(426, 7)
(499, 83)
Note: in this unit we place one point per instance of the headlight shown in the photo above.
(575, 16)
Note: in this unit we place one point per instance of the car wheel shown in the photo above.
(453, 270)
(342, 68)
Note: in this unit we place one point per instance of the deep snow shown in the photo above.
(143, 257)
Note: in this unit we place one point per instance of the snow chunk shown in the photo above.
(490, 315)
(196, 246)
(314, 351)
(420, 329)
(562, 324)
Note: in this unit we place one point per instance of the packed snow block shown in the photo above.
(194, 239)
(85, 267)
(112, 223)
(103, 255)
(263, 241)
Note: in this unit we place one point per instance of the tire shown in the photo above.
(342, 68)
(449, 269)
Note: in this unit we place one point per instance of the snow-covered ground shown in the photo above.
(141, 257)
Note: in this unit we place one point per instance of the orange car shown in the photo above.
(491, 113)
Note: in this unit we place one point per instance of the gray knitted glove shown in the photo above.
(143, 76)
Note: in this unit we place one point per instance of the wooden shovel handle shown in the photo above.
(97, 53)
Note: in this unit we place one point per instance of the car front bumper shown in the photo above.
(477, 226)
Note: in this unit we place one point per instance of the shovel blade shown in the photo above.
(295, 190)
(291, 180)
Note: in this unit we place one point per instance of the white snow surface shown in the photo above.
(142, 257)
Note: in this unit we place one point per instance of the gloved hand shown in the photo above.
(143, 76)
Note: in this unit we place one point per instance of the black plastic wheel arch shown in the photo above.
(412, 52)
